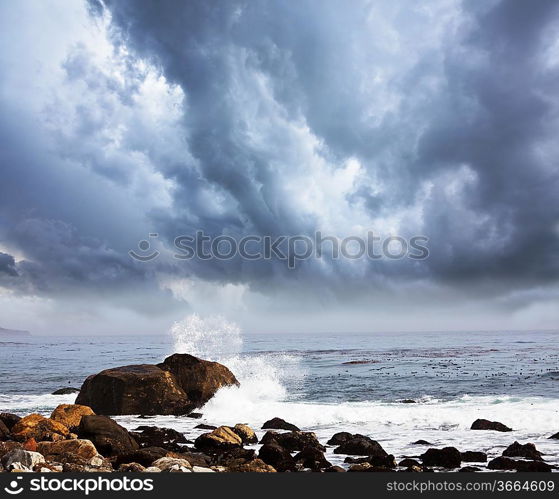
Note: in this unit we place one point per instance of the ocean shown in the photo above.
(326, 383)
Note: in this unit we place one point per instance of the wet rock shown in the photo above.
(171, 464)
(194, 458)
(53, 450)
(360, 445)
(38, 427)
(203, 426)
(506, 463)
(407, 401)
(246, 433)
(448, 457)
(484, 424)
(9, 419)
(254, 466)
(131, 468)
(199, 379)
(406, 463)
(367, 467)
(421, 442)
(469, 469)
(528, 451)
(65, 391)
(279, 424)
(379, 459)
(278, 457)
(555, 436)
(109, 437)
(473, 457)
(334, 469)
(21, 459)
(153, 436)
(293, 440)
(339, 438)
(233, 457)
(222, 438)
(312, 458)
(145, 456)
(195, 415)
(70, 415)
(138, 389)
(4, 432)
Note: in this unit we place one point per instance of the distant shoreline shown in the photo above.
(13, 332)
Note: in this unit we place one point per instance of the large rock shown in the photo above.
(528, 451)
(277, 457)
(279, 424)
(38, 427)
(473, 457)
(506, 463)
(339, 438)
(484, 424)
(21, 459)
(70, 415)
(449, 457)
(246, 433)
(293, 440)
(9, 419)
(222, 438)
(109, 437)
(145, 456)
(312, 458)
(138, 389)
(360, 445)
(200, 379)
(176, 386)
(4, 431)
(153, 436)
(254, 466)
(53, 450)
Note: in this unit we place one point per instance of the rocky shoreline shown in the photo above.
(81, 437)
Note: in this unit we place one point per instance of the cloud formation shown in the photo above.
(275, 119)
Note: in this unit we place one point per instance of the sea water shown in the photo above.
(362, 383)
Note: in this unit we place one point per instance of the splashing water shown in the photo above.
(210, 338)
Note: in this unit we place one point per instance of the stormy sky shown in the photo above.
(121, 119)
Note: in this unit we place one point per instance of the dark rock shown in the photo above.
(554, 436)
(474, 457)
(406, 463)
(278, 457)
(294, 440)
(279, 424)
(153, 436)
(334, 469)
(484, 424)
(195, 458)
(339, 438)
(140, 389)
(448, 457)
(4, 432)
(144, 456)
(203, 426)
(234, 457)
(312, 458)
(9, 419)
(195, 415)
(469, 469)
(421, 442)
(361, 445)
(407, 401)
(506, 463)
(528, 451)
(109, 437)
(65, 391)
(199, 379)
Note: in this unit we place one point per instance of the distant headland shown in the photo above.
(13, 332)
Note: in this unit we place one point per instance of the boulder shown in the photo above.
(469, 469)
(448, 457)
(473, 457)
(172, 464)
(334, 469)
(4, 431)
(506, 463)
(65, 391)
(153, 436)
(38, 427)
(293, 440)
(246, 433)
(360, 445)
(421, 442)
(312, 458)
(484, 424)
(555, 436)
(279, 424)
(138, 389)
(220, 439)
(339, 438)
(145, 456)
(199, 379)
(234, 456)
(278, 457)
(109, 437)
(407, 462)
(6, 447)
(9, 419)
(254, 466)
(203, 426)
(131, 468)
(53, 450)
(18, 458)
(70, 415)
(528, 451)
